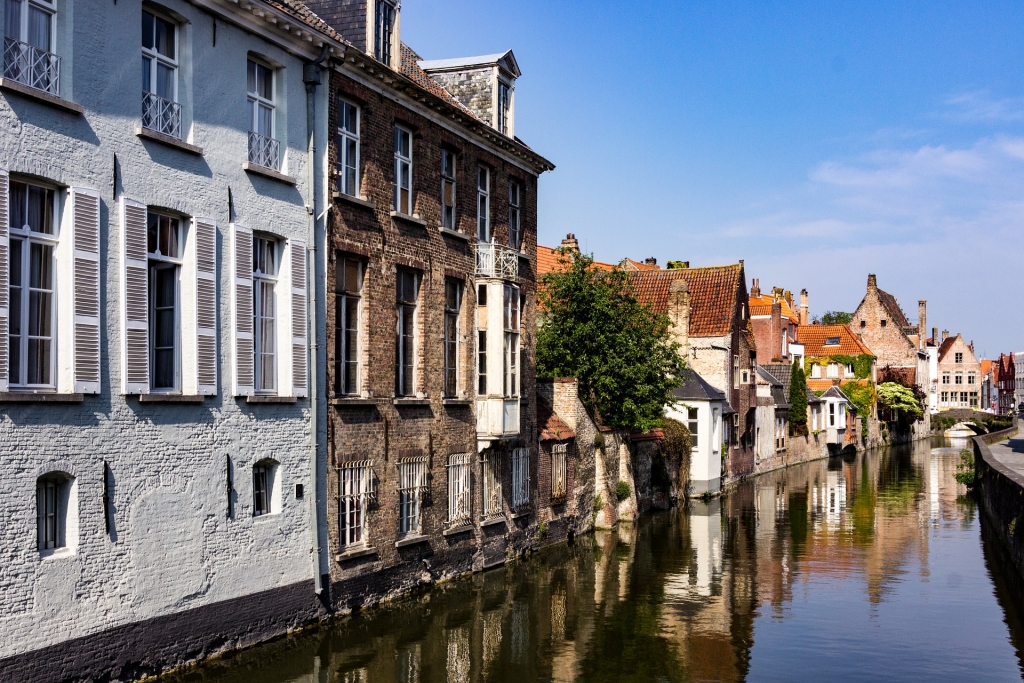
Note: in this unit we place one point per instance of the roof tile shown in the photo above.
(813, 337)
(712, 295)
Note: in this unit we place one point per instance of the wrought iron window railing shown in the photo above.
(160, 115)
(559, 451)
(264, 151)
(520, 479)
(356, 491)
(460, 498)
(494, 260)
(31, 66)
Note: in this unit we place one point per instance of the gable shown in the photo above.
(714, 295)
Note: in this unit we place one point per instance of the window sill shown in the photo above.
(355, 553)
(492, 521)
(463, 528)
(170, 398)
(453, 233)
(356, 401)
(457, 402)
(526, 257)
(269, 173)
(411, 540)
(148, 134)
(45, 97)
(412, 401)
(270, 399)
(522, 513)
(350, 199)
(30, 397)
(415, 220)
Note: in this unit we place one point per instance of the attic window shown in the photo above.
(832, 341)
(384, 30)
(863, 323)
(503, 107)
(883, 322)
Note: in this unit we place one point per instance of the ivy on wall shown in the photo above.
(861, 364)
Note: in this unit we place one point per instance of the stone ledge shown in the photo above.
(357, 201)
(520, 515)
(30, 397)
(269, 173)
(353, 402)
(270, 399)
(411, 401)
(461, 529)
(453, 233)
(355, 554)
(44, 97)
(415, 220)
(492, 521)
(148, 134)
(411, 540)
(457, 402)
(170, 398)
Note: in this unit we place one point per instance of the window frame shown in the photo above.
(449, 178)
(154, 55)
(48, 6)
(257, 100)
(343, 301)
(490, 485)
(402, 161)
(355, 492)
(385, 14)
(259, 281)
(406, 313)
(559, 471)
(511, 325)
(693, 425)
(266, 498)
(452, 330)
(460, 489)
(412, 485)
(344, 136)
(484, 233)
(519, 471)
(53, 487)
(504, 106)
(156, 262)
(515, 199)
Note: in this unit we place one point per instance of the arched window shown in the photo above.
(56, 512)
(266, 494)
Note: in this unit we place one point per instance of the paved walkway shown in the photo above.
(1010, 453)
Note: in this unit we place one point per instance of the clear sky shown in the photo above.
(818, 141)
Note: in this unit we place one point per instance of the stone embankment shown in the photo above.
(999, 463)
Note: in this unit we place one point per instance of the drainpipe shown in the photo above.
(311, 78)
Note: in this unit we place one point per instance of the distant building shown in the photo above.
(1007, 383)
(959, 374)
(775, 322)
(703, 409)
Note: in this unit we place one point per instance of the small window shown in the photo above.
(736, 372)
(448, 189)
(945, 378)
(384, 26)
(348, 148)
(693, 424)
(849, 369)
(520, 463)
(412, 485)
(883, 322)
(959, 357)
(559, 471)
(264, 150)
(831, 414)
(460, 497)
(165, 258)
(815, 371)
(504, 105)
(832, 341)
(265, 495)
(481, 363)
(515, 234)
(160, 109)
(492, 484)
(833, 370)
(355, 491)
(863, 323)
(744, 377)
(407, 291)
(55, 512)
(452, 306)
(483, 204)
(971, 379)
(403, 171)
(959, 378)
(348, 289)
(265, 262)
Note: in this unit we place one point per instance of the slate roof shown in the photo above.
(307, 16)
(836, 392)
(893, 306)
(550, 425)
(778, 391)
(762, 305)
(696, 388)
(813, 337)
(782, 372)
(713, 292)
(410, 68)
(813, 397)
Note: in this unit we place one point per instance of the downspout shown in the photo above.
(311, 78)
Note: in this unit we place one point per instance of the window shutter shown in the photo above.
(241, 306)
(205, 231)
(85, 229)
(300, 372)
(134, 299)
(5, 245)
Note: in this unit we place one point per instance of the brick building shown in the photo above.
(431, 312)
(775, 322)
(959, 374)
(1007, 383)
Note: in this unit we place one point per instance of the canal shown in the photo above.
(867, 568)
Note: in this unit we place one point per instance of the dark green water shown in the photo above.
(870, 568)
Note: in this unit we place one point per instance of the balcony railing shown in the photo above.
(264, 151)
(160, 115)
(494, 260)
(31, 66)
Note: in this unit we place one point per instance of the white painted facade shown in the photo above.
(172, 544)
(706, 457)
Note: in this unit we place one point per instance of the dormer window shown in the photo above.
(384, 28)
(504, 104)
(832, 341)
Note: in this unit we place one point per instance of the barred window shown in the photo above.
(412, 484)
(355, 492)
(559, 471)
(459, 492)
(520, 478)
(492, 485)
(53, 494)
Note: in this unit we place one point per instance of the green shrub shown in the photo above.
(965, 473)
(598, 503)
(622, 490)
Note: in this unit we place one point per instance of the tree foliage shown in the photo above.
(900, 399)
(619, 350)
(834, 318)
(797, 401)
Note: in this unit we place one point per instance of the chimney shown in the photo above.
(804, 311)
(679, 311)
(935, 336)
(651, 261)
(775, 341)
(872, 282)
(922, 325)
(571, 243)
(789, 298)
(945, 335)
(755, 288)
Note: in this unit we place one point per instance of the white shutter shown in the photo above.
(300, 366)
(85, 229)
(134, 299)
(5, 246)
(241, 308)
(205, 234)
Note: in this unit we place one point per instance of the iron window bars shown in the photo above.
(31, 66)
(356, 490)
(559, 471)
(412, 487)
(460, 500)
(520, 479)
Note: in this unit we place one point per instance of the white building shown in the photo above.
(1019, 385)
(701, 408)
(154, 232)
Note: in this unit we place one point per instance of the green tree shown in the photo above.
(834, 318)
(797, 401)
(900, 399)
(619, 350)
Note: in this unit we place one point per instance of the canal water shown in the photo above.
(867, 568)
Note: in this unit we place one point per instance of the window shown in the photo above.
(849, 370)
(412, 484)
(160, 109)
(974, 399)
(863, 323)
(736, 372)
(348, 148)
(833, 370)
(693, 424)
(520, 478)
(384, 29)
(264, 150)
(452, 305)
(832, 341)
(815, 371)
(504, 104)
(33, 243)
(448, 189)
(348, 285)
(515, 233)
(459, 493)
(559, 471)
(164, 244)
(831, 414)
(403, 171)
(28, 44)
(265, 495)
(483, 204)
(944, 397)
(971, 378)
(963, 398)
(959, 378)
(405, 348)
(883, 322)
(958, 357)
(744, 377)
(265, 259)
(945, 378)
(355, 491)
(481, 363)
(56, 516)
(511, 349)
(492, 484)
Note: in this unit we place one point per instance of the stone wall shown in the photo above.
(1001, 494)
(474, 88)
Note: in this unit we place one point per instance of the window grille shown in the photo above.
(492, 485)
(559, 471)
(412, 485)
(520, 478)
(28, 44)
(356, 491)
(459, 491)
(50, 512)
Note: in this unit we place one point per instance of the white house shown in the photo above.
(835, 408)
(701, 408)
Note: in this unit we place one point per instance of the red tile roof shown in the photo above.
(550, 426)
(548, 262)
(824, 383)
(904, 376)
(713, 293)
(762, 305)
(639, 265)
(986, 365)
(813, 337)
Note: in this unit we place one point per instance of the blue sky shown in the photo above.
(817, 141)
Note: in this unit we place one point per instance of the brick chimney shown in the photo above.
(945, 335)
(922, 325)
(679, 311)
(755, 288)
(872, 283)
(651, 261)
(775, 340)
(804, 310)
(570, 242)
(935, 336)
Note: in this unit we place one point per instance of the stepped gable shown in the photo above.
(813, 337)
(713, 291)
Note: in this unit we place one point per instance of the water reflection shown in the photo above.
(865, 568)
